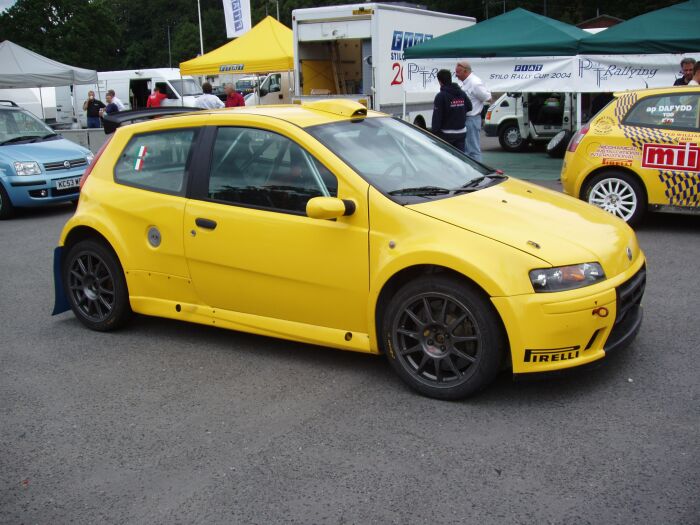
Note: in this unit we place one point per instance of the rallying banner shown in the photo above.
(237, 14)
(622, 72)
(499, 74)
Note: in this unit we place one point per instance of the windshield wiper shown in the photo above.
(473, 184)
(18, 139)
(421, 190)
(50, 135)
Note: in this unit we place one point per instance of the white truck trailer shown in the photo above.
(356, 51)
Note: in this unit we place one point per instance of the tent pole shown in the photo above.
(41, 100)
(578, 111)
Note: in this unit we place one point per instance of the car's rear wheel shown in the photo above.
(510, 138)
(443, 338)
(618, 193)
(7, 210)
(95, 286)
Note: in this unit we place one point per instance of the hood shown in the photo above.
(549, 225)
(56, 150)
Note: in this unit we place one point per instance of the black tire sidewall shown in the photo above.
(122, 309)
(6, 208)
(493, 338)
(629, 179)
(558, 150)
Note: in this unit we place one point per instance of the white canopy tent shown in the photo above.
(22, 68)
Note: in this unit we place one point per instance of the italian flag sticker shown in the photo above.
(139, 159)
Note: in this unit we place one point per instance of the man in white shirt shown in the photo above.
(208, 101)
(120, 105)
(695, 81)
(478, 94)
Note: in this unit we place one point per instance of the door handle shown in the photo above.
(205, 223)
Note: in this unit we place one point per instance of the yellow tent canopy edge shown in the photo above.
(267, 47)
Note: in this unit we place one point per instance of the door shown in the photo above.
(545, 113)
(251, 248)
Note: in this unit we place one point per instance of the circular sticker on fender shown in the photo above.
(604, 125)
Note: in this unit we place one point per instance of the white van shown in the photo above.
(520, 118)
(133, 87)
(275, 88)
(54, 105)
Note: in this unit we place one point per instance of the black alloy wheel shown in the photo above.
(95, 286)
(442, 338)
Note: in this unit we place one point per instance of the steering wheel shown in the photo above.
(393, 167)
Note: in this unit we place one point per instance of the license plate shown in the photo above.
(67, 183)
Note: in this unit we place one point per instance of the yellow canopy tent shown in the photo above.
(266, 47)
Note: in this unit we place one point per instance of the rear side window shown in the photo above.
(666, 111)
(156, 161)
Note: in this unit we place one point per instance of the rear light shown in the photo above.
(578, 136)
(94, 161)
(488, 115)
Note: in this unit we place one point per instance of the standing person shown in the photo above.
(208, 101)
(233, 97)
(154, 99)
(93, 107)
(687, 65)
(120, 105)
(695, 81)
(478, 94)
(450, 111)
(111, 106)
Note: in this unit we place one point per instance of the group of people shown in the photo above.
(691, 73)
(457, 109)
(96, 109)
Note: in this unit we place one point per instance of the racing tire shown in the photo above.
(556, 147)
(619, 193)
(95, 286)
(443, 337)
(7, 210)
(510, 138)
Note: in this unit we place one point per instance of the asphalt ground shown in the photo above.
(166, 422)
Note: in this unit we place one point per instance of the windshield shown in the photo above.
(21, 125)
(242, 85)
(186, 87)
(399, 159)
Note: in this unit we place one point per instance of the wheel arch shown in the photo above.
(410, 273)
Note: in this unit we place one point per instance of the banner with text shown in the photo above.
(623, 72)
(237, 15)
(583, 73)
(499, 74)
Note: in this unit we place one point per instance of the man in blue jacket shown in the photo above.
(450, 111)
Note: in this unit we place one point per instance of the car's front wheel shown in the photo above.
(95, 286)
(510, 138)
(618, 193)
(443, 337)
(7, 210)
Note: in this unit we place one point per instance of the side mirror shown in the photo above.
(263, 92)
(329, 208)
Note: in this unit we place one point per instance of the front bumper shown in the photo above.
(491, 130)
(554, 332)
(37, 190)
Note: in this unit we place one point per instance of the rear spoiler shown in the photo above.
(122, 118)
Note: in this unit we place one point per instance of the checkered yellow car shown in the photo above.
(642, 152)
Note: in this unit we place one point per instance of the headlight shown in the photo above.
(566, 277)
(27, 168)
(90, 157)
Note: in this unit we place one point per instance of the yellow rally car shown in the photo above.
(328, 224)
(641, 152)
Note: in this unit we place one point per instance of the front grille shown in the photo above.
(74, 163)
(629, 294)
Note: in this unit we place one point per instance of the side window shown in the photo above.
(666, 111)
(261, 169)
(156, 161)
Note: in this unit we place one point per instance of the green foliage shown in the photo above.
(125, 34)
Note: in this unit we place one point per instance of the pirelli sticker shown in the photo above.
(552, 355)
